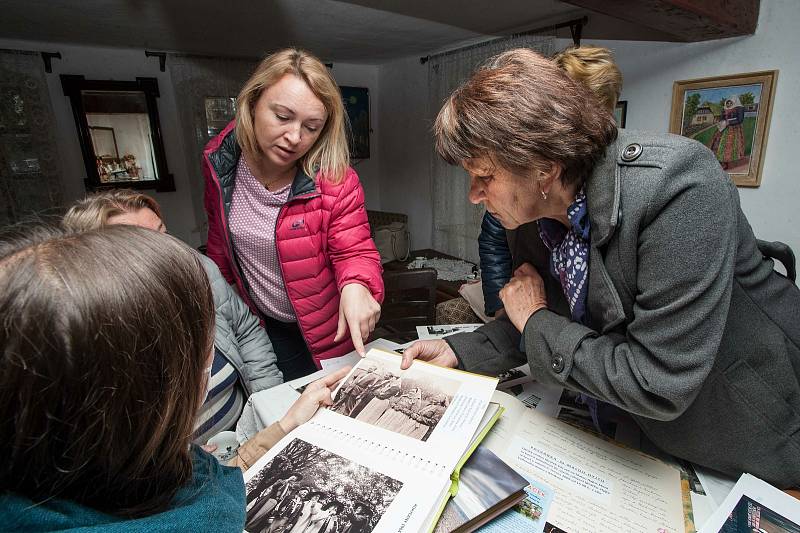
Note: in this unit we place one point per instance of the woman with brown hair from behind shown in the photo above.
(244, 358)
(106, 339)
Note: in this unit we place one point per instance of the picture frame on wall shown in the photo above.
(220, 110)
(731, 116)
(621, 113)
(119, 132)
(356, 105)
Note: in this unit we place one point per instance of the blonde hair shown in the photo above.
(593, 66)
(94, 211)
(329, 155)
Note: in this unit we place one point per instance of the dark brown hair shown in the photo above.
(105, 337)
(523, 111)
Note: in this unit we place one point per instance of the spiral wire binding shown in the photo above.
(400, 456)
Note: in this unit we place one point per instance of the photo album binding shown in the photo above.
(384, 457)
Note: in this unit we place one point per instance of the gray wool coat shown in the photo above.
(691, 330)
(238, 335)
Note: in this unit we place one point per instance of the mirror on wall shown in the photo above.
(119, 133)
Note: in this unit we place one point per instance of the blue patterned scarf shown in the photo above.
(569, 264)
(569, 254)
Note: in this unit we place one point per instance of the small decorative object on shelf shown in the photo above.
(119, 132)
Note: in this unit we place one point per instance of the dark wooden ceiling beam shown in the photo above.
(687, 20)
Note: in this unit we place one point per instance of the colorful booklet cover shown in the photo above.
(486, 487)
(382, 458)
(528, 515)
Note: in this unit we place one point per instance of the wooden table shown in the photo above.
(445, 290)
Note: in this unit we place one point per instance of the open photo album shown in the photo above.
(384, 457)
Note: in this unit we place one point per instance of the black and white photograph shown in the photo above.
(409, 402)
(750, 516)
(574, 409)
(306, 489)
(440, 331)
(512, 377)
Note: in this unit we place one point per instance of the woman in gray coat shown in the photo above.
(639, 284)
(244, 360)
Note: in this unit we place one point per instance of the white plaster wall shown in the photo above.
(369, 170)
(132, 133)
(115, 64)
(650, 68)
(126, 64)
(406, 145)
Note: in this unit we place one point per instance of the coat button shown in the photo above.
(632, 152)
(557, 363)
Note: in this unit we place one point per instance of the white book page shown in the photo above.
(715, 484)
(315, 476)
(754, 505)
(425, 407)
(599, 486)
(703, 507)
(353, 357)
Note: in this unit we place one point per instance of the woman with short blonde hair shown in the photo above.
(102, 208)
(593, 66)
(286, 216)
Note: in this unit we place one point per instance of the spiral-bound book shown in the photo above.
(384, 457)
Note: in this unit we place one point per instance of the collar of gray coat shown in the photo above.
(603, 192)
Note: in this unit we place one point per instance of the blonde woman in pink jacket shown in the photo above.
(286, 217)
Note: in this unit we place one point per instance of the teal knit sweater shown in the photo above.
(213, 501)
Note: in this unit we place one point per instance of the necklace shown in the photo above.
(283, 179)
(270, 183)
(287, 175)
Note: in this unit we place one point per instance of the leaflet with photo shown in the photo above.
(379, 459)
(486, 487)
(598, 485)
(754, 505)
(529, 515)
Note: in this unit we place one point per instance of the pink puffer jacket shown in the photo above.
(323, 241)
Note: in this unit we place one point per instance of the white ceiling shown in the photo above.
(356, 31)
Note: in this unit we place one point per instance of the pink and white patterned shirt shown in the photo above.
(253, 215)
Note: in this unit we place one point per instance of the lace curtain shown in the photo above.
(457, 222)
(30, 173)
(205, 92)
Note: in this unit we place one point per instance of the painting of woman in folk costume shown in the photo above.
(728, 143)
(730, 115)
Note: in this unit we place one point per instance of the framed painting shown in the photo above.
(621, 113)
(730, 115)
(356, 104)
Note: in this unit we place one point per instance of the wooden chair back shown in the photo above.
(409, 301)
